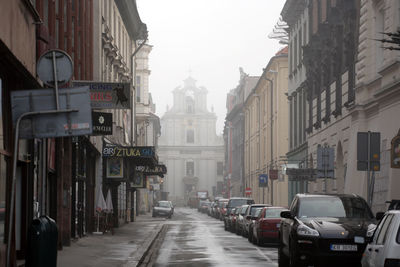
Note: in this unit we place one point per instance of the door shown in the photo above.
(374, 253)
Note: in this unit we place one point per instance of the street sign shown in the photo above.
(102, 123)
(368, 151)
(296, 174)
(273, 174)
(263, 180)
(248, 191)
(395, 152)
(108, 95)
(63, 65)
(325, 162)
(57, 124)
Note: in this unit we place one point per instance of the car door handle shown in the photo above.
(376, 250)
(370, 249)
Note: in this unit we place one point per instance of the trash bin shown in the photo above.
(42, 243)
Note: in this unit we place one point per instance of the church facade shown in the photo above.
(189, 145)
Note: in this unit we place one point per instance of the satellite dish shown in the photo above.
(63, 67)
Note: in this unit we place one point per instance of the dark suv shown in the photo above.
(324, 229)
(235, 202)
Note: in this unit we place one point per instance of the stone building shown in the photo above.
(189, 145)
(266, 132)
(234, 136)
(377, 101)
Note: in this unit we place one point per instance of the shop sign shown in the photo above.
(108, 95)
(158, 169)
(102, 123)
(395, 152)
(111, 150)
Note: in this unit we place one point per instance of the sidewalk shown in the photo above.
(127, 247)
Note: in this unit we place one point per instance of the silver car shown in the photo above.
(163, 208)
(384, 248)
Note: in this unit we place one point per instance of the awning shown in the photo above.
(136, 155)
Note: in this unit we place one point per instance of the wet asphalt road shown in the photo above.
(196, 239)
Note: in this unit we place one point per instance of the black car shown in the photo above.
(324, 229)
(235, 202)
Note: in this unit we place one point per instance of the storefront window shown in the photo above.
(2, 171)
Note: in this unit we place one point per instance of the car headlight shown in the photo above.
(304, 230)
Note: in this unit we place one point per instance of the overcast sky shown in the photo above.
(210, 40)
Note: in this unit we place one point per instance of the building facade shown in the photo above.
(377, 101)
(117, 32)
(189, 145)
(234, 181)
(296, 15)
(266, 133)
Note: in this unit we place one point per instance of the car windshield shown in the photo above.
(239, 202)
(337, 207)
(164, 204)
(273, 213)
(255, 211)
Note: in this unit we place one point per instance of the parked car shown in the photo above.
(384, 248)
(229, 220)
(250, 235)
(266, 226)
(240, 219)
(162, 208)
(250, 217)
(324, 229)
(222, 208)
(237, 202)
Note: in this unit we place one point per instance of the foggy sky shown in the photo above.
(210, 40)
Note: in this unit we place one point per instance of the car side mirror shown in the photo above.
(379, 215)
(286, 214)
(248, 217)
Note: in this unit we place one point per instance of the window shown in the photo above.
(190, 136)
(138, 88)
(189, 168)
(220, 168)
(384, 230)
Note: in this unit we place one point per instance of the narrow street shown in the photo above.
(195, 239)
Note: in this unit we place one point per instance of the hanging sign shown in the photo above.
(107, 95)
(395, 152)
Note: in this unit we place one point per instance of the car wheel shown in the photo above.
(283, 260)
(250, 236)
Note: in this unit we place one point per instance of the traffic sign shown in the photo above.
(263, 180)
(248, 191)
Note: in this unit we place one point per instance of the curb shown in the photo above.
(137, 257)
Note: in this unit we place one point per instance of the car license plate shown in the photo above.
(337, 247)
(278, 225)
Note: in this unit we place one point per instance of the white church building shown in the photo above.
(189, 145)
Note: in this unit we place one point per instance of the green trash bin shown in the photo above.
(42, 243)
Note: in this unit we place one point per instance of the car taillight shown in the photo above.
(392, 263)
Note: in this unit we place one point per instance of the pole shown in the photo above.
(14, 170)
(55, 79)
(369, 170)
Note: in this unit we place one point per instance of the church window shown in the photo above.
(190, 136)
(189, 168)
(220, 168)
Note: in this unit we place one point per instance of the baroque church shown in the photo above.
(189, 145)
